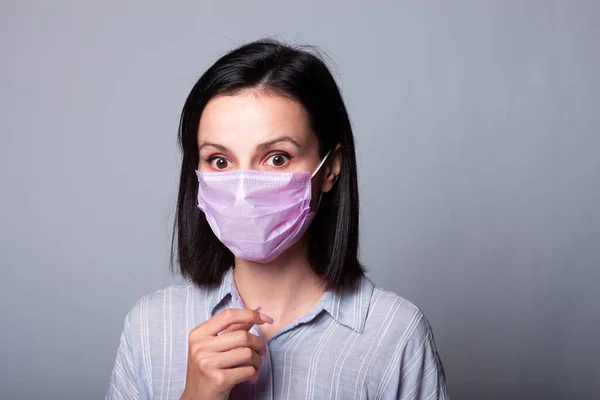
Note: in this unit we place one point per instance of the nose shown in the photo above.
(245, 163)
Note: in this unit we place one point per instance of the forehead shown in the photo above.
(250, 118)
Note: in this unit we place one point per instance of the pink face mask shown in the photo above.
(256, 214)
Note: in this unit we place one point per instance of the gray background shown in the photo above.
(477, 135)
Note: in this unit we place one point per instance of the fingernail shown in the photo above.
(266, 318)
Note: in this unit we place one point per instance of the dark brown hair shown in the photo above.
(300, 74)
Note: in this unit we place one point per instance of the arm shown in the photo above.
(416, 371)
(123, 383)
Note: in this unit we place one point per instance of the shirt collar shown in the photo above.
(348, 307)
(217, 294)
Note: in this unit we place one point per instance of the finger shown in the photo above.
(237, 358)
(241, 374)
(226, 318)
(232, 340)
(238, 327)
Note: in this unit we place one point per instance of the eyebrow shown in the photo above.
(217, 146)
(262, 146)
(280, 139)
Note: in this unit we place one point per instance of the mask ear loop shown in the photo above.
(316, 171)
(320, 165)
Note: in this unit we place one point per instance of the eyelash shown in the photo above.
(211, 159)
(287, 156)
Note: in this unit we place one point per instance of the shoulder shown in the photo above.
(407, 356)
(395, 313)
(398, 325)
(156, 329)
(169, 304)
(157, 300)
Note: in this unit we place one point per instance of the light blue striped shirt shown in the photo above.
(368, 343)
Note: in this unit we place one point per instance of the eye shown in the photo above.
(219, 163)
(278, 160)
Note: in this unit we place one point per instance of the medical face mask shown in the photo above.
(257, 214)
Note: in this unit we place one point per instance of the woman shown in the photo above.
(277, 305)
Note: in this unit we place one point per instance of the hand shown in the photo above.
(216, 363)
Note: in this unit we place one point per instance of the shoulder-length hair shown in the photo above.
(301, 75)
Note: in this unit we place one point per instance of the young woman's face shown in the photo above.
(251, 130)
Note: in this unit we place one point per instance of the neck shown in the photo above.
(285, 289)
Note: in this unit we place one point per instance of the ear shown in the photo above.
(333, 166)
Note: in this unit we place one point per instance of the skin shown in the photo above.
(258, 131)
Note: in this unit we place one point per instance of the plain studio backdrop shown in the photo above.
(477, 129)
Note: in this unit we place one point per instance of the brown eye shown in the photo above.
(220, 163)
(278, 160)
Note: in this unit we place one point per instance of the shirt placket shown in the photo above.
(265, 380)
